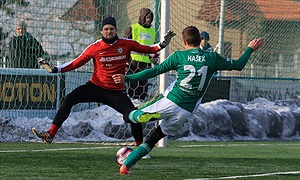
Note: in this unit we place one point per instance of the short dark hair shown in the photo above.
(191, 35)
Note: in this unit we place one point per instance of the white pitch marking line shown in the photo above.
(253, 175)
(58, 149)
(236, 145)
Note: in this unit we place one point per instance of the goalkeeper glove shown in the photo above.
(167, 39)
(47, 66)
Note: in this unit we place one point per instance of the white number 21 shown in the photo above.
(201, 72)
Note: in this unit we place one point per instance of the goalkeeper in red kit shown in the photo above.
(109, 56)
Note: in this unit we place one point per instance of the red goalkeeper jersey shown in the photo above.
(108, 59)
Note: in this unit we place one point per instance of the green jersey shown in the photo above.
(194, 68)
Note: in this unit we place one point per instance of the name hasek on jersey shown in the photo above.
(196, 58)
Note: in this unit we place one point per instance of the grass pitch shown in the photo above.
(179, 160)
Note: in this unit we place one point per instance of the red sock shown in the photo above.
(53, 130)
(137, 143)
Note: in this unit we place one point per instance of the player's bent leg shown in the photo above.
(153, 139)
(137, 133)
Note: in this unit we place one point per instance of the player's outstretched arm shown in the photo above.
(47, 66)
(119, 78)
(167, 39)
(255, 44)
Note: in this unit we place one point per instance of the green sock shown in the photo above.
(133, 115)
(138, 116)
(137, 154)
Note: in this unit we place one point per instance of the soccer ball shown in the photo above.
(122, 155)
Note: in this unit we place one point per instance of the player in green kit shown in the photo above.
(195, 68)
